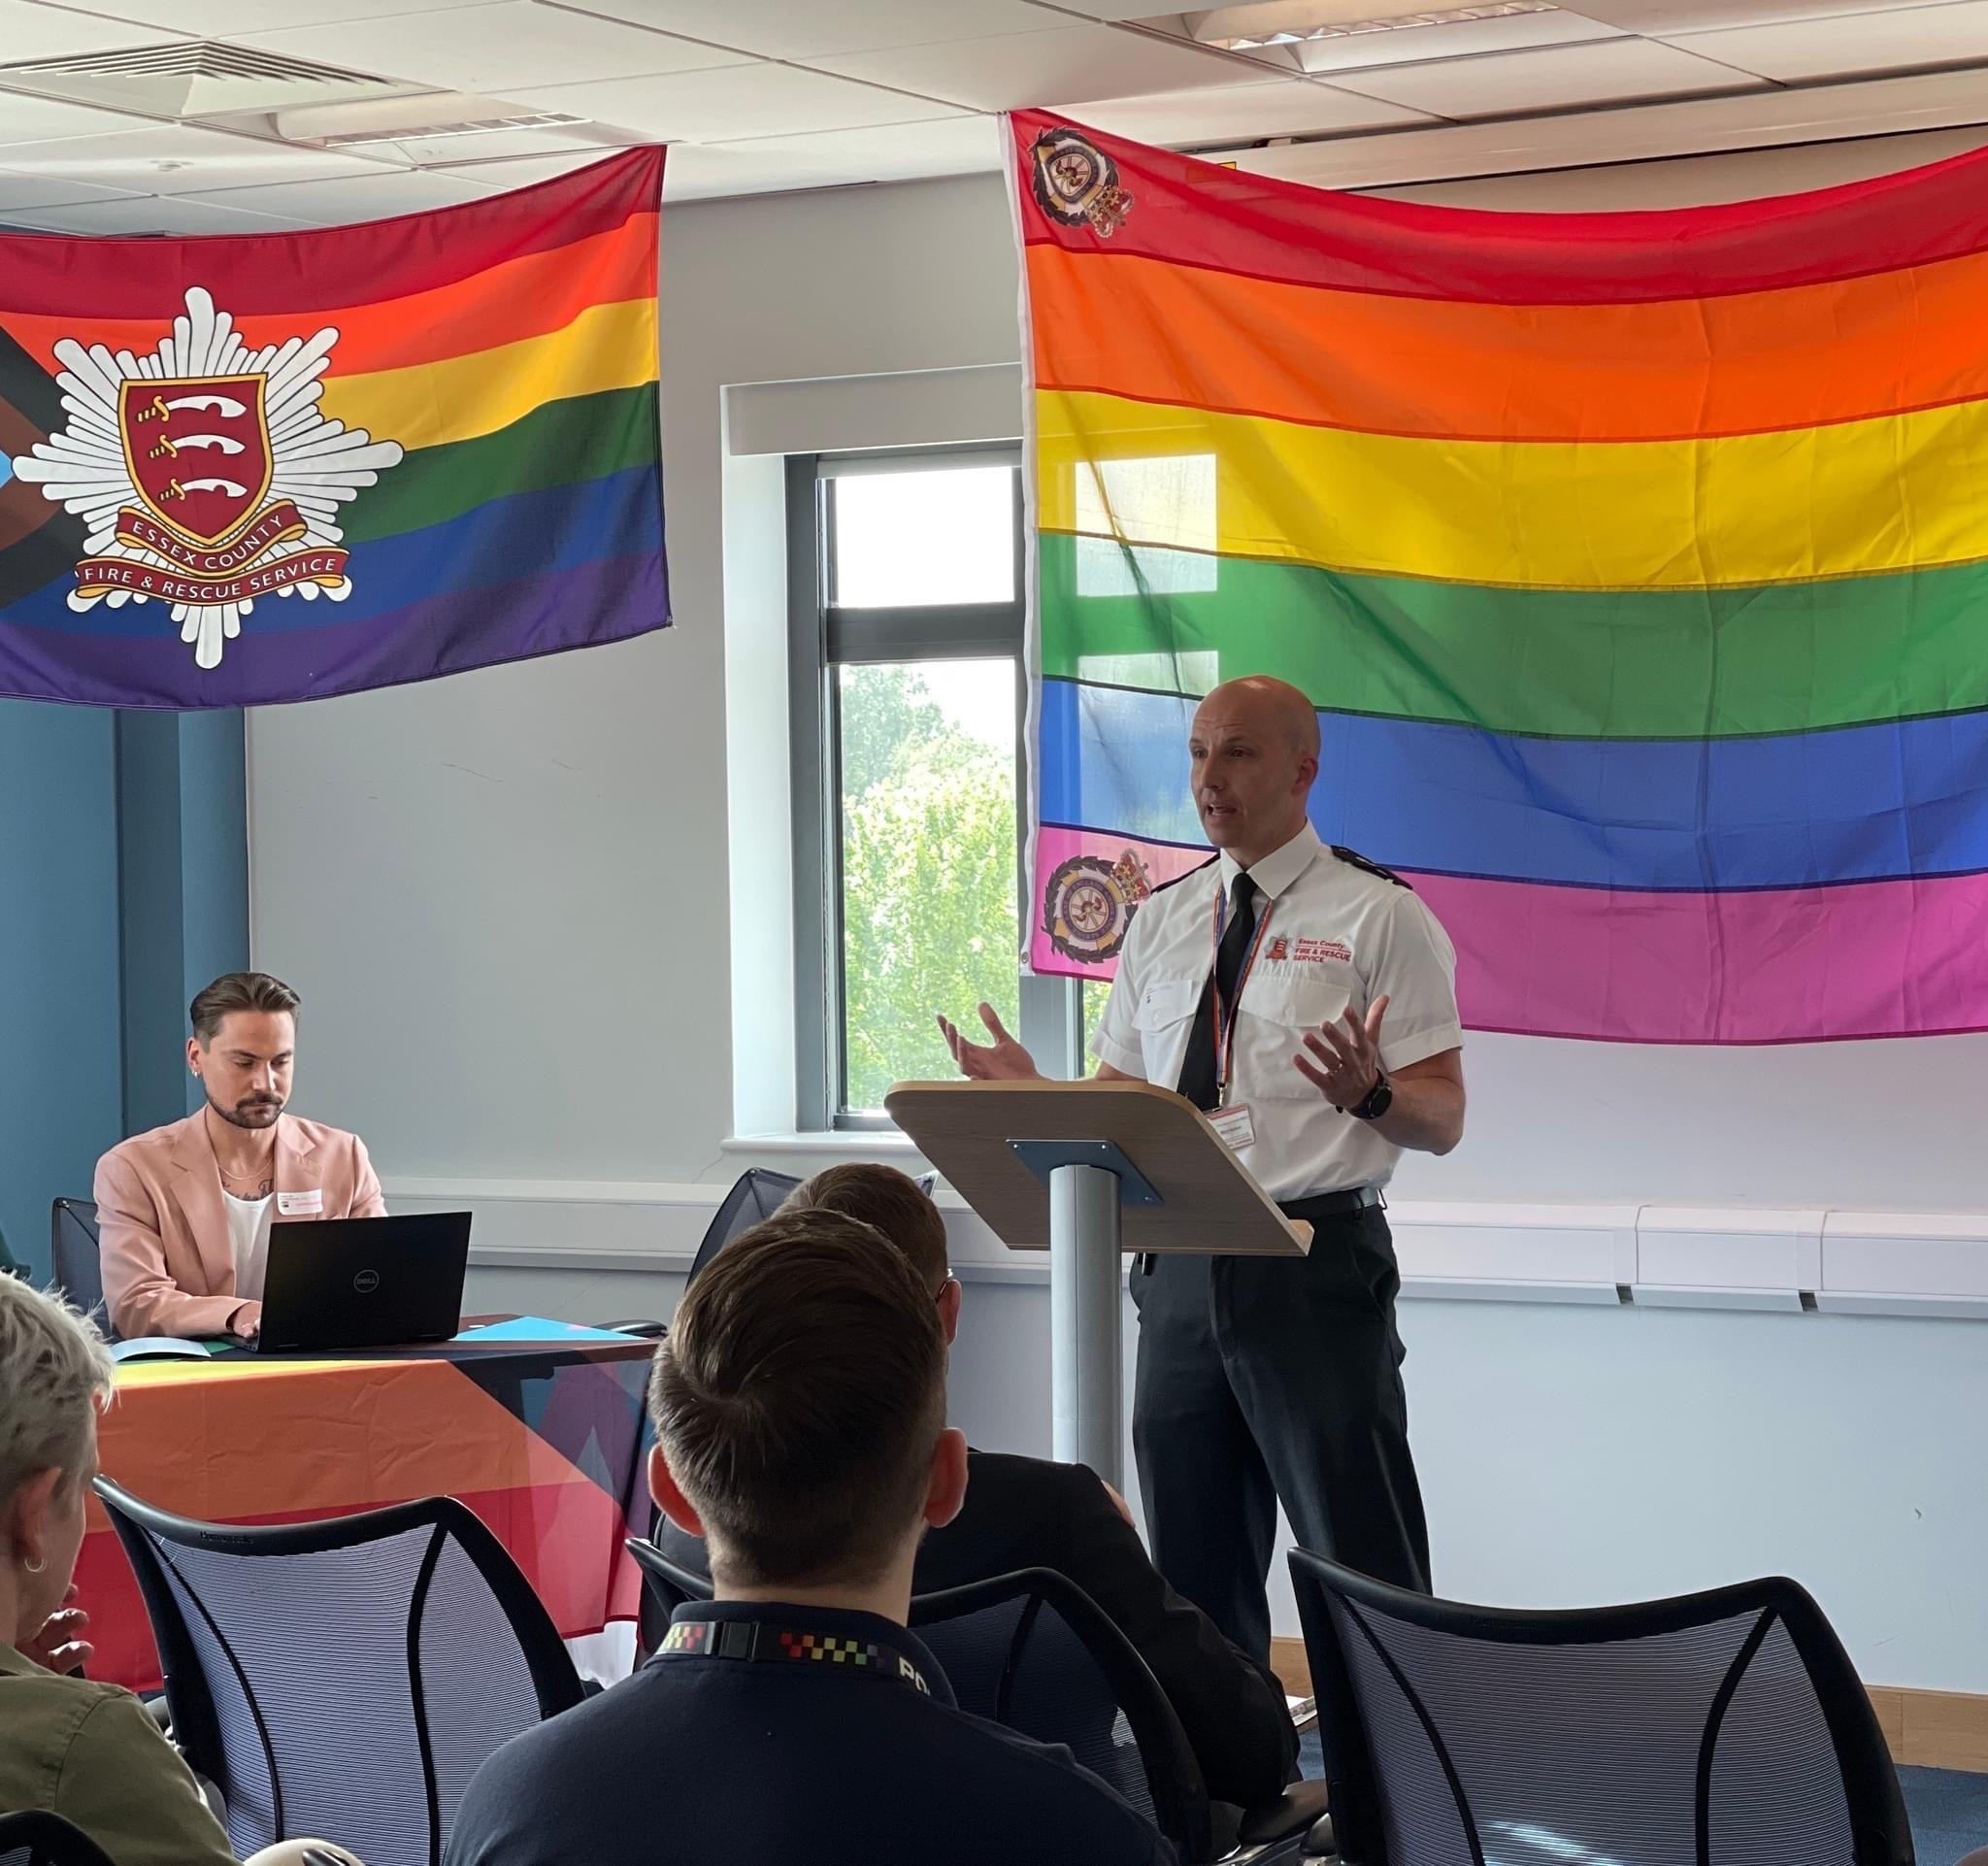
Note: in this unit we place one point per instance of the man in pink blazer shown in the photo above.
(185, 1211)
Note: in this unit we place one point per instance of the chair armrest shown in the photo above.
(1297, 1807)
(1319, 1843)
(640, 1330)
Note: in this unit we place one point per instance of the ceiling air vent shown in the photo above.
(194, 80)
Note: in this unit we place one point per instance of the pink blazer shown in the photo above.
(168, 1266)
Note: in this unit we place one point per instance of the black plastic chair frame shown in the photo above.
(189, 1698)
(1881, 1834)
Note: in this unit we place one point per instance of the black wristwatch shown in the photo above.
(1379, 1099)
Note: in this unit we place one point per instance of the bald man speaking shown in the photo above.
(1306, 1000)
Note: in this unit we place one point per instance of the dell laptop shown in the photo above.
(341, 1283)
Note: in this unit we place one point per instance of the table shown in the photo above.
(546, 1443)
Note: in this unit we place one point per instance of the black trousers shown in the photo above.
(1267, 1379)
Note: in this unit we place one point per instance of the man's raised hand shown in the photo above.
(1001, 1060)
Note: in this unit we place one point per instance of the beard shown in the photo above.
(257, 1111)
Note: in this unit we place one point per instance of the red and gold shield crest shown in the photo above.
(198, 451)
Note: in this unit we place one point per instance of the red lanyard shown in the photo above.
(1225, 1025)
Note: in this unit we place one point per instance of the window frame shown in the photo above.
(822, 638)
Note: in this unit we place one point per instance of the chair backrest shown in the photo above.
(37, 1838)
(755, 1195)
(1033, 1652)
(75, 1260)
(347, 1677)
(1727, 1728)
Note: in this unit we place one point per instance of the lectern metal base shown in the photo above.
(1087, 1356)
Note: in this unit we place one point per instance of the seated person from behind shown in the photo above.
(185, 1210)
(89, 1753)
(1030, 1513)
(800, 1411)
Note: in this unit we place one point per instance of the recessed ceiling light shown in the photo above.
(1269, 23)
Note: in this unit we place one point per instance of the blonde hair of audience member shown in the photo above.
(54, 1379)
(800, 1409)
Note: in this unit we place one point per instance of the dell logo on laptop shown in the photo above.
(366, 1281)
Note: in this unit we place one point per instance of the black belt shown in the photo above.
(1318, 1206)
(1331, 1205)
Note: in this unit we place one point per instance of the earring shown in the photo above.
(36, 1566)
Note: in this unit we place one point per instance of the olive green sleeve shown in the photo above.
(127, 1788)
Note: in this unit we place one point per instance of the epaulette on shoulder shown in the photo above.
(1189, 876)
(1354, 860)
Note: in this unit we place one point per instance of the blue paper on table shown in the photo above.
(537, 1329)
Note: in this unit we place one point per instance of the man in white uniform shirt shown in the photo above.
(1306, 1000)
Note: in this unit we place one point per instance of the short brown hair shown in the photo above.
(887, 1199)
(239, 991)
(798, 1396)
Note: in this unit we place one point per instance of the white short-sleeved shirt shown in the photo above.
(1337, 935)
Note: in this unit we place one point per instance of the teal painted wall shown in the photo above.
(123, 888)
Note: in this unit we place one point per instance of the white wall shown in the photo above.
(510, 900)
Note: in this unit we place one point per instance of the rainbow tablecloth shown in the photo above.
(546, 1443)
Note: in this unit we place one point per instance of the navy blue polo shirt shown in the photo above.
(861, 1759)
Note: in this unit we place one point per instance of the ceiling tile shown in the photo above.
(1021, 70)
(734, 101)
(1241, 114)
(19, 191)
(178, 159)
(154, 214)
(29, 32)
(521, 172)
(45, 119)
(1563, 77)
(372, 197)
(488, 48)
(1852, 43)
(887, 152)
(1661, 18)
(810, 28)
(218, 18)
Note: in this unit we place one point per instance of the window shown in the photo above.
(909, 773)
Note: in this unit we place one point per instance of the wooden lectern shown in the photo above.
(1086, 1170)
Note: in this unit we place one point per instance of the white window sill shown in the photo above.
(841, 1143)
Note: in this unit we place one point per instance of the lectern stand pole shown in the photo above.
(1088, 1382)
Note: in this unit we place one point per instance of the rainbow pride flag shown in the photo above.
(249, 469)
(1636, 563)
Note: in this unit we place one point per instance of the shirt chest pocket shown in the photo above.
(1277, 1012)
(1163, 1019)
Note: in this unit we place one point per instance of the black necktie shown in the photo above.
(1197, 1072)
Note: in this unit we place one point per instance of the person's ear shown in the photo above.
(947, 1488)
(669, 1495)
(193, 1055)
(25, 1523)
(951, 1296)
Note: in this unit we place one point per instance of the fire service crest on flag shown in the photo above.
(206, 475)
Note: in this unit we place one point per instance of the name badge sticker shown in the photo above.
(300, 1205)
(1233, 1126)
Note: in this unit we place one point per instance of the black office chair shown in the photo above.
(345, 1677)
(665, 1587)
(36, 1839)
(76, 1257)
(1727, 1726)
(755, 1197)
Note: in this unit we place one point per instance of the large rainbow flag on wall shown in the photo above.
(258, 468)
(1636, 563)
